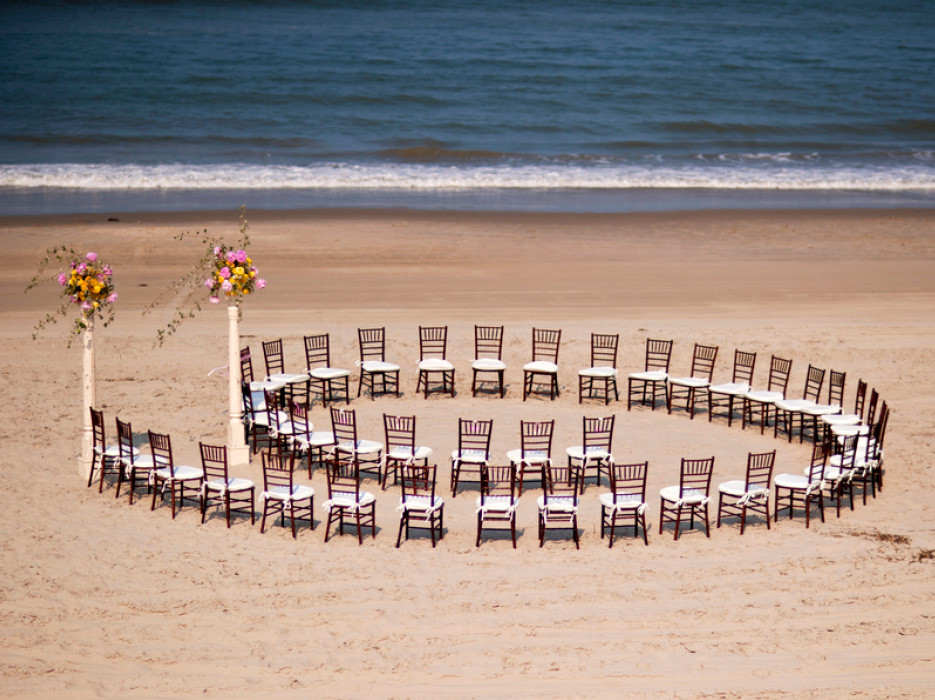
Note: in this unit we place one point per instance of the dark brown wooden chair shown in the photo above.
(558, 504)
(732, 392)
(841, 419)
(625, 505)
(690, 497)
(789, 411)
(759, 405)
(236, 495)
(695, 385)
(497, 503)
(803, 489)
(308, 442)
(433, 348)
(535, 452)
(136, 467)
(595, 451)
(105, 459)
(281, 493)
(810, 417)
(473, 451)
(374, 369)
(401, 448)
(324, 377)
(737, 497)
(366, 454)
(419, 506)
(601, 376)
(543, 369)
(488, 350)
(650, 384)
(296, 384)
(346, 501)
(169, 476)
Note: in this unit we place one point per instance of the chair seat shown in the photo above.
(651, 376)
(434, 364)
(421, 503)
(471, 456)
(764, 396)
(111, 451)
(288, 378)
(794, 404)
(531, 456)
(822, 409)
(362, 447)
(143, 462)
(232, 484)
(557, 504)
(691, 382)
(622, 502)
(299, 492)
(841, 419)
(674, 494)
(848, 430)
(736, 487)
(328, 373)
(541, 366)
(593, 453)
(730, 389)
(180, 473)
(378, 367)
(292, 428)
(319, 439)
(350, 500)
(497, 504)
(407, 453)
(792, 481)
(486, 364)
(860, 461)
(598, 372)
(267, 384)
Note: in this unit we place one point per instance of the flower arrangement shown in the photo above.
(225, 271)
(88, 283)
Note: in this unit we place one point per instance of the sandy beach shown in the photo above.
(103, 599)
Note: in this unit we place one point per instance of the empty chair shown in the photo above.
(401, 448)
(281, 493)
(325, 378)
(306, 441)
(366, 454)
(419, 506)
(488, 351)
(136, 467)
(346, 501)
(691, 495)
(535, 452)
(789, 411)
(276, 368)
(625, 505)
(433, 349)
(741, 382)
(256, 418)
(849, 425)
(497, 503)
(601, 376)
(237, 495)
(374, 369)
(803, 490)
(473, 450)
(168, 475)
(759, 404)
(558, 504)
(839, 471)
(694, 386)
(651, 382)
(105, 459)
(594, 452)
(810, 416)
(855, 418)
(738, 496)
(543, 369)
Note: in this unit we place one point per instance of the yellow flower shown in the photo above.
(246, 290)
(238, 271)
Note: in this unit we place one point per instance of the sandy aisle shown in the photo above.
(103, 599)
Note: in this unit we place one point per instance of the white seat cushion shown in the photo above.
(288, 378)
(363, 447)
(848, 430)
(791, 481)
(598, 372)
(471, 456)
(421, 503)
(143, 462)
(652, 376)
(673, 493)
(267, 384)
(486, 364)
(764, 396)
(736, 487)
(842, 419)
(180, 473)
(328, 373)
(300, 492)
(593, 453)
(434, 364)
(794, 404)
(623, 502)
(541, 366)
(233, 484)
(559, 504)
(319, 439)
(498, 504)
(346, 500)
(110, 451)
(822, 409)
(378, 367)
(406, 453)
(691, 382)
(531, 457)
(731, 388)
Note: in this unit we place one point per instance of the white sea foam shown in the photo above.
(777, 175)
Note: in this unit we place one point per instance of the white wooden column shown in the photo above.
(88, 399)
(237, 452)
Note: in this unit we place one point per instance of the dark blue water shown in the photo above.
(560, 105)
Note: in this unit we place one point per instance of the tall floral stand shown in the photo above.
(238, 453)
(88, 398)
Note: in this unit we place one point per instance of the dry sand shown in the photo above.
(98, 598)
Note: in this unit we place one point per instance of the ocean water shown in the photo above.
(541, 104)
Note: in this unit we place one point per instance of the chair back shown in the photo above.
(246, 365)
(604, 350)
(317, 351)
(97, 428)
(779, 370)
(695, 477)
(300, 418)
(560, 483)
(474, 436)
(836, 388)
(816, 469)
(273, 407)
(813, 382)
(214, 462)
(161, 447)
(545, 345)
(272, 354)
(598, 433)
(872, 407)
(418, 482)
(760, 469)
(875, 443)
(343, 477)
(344, 426)
(744, 362)
(488, 342)
(860, 398)
(400, 431)
(658, 355)
(433, 342)
(277, 470)
(125, 445)
(248, 407)
(628, 481)
(497, 482)
(536, 438)
(372, 344)
(703, 359)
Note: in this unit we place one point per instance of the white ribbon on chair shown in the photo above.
(752, 495)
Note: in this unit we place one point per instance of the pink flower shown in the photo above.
(81, 269)
(225, 272)
(215, 300)
(107, 270)
(241, 256)
(260, 283)
(62, 279)
(217, 250)
(91, 257)
(226, 285)
(209, 283)
(86, 306)
(231, 256)
(112, 297)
